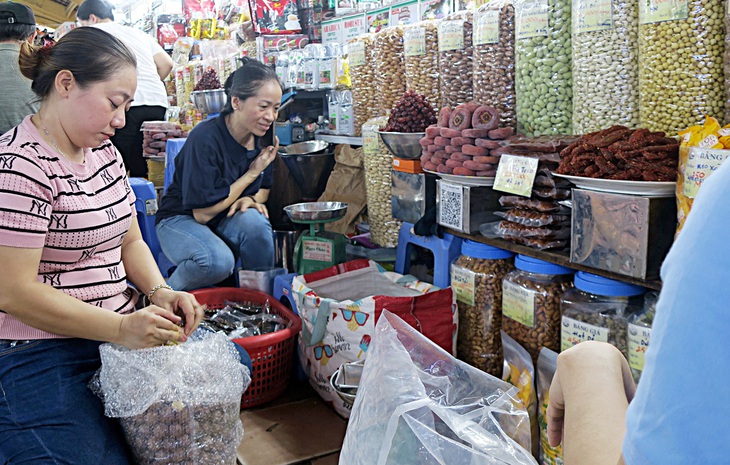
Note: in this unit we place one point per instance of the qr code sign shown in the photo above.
(451, 206)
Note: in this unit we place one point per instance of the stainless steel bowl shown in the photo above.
(304, 148)
(209, 101)
(403, 144)
(347, 395)
(316, 211)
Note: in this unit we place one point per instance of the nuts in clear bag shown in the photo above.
(420, 45)
(362, 74)
(455, 58)
(389, 68)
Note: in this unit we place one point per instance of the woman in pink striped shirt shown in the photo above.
(69, 245)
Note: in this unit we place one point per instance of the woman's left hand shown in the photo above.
(181, 302)
(244, 203)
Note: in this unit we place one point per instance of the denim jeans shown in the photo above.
(48, 415)
(205, 257)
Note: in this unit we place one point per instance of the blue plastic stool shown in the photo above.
(283, 292)
(146, 207)
(444, 252)
(172, 148)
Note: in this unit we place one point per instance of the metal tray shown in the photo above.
(316, 211)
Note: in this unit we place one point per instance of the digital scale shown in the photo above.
(318, 249)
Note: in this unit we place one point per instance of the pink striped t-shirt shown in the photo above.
(77, 213)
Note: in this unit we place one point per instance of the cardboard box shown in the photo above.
(621, 233)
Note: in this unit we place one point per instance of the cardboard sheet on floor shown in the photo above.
(290, 433)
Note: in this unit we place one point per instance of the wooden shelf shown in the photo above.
(558, 257)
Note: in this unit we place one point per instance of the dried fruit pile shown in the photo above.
(412, 113)
(209, 81)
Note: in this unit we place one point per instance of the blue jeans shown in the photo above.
(48, 415)
(205, 257)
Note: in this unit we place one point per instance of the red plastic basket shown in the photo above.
(272, 355)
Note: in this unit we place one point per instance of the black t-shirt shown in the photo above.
(208, 163)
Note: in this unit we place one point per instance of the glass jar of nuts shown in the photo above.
(531, 303)
(598, 309)
(476, 277)
(639, 333)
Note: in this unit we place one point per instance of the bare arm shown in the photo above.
(264, 159)
(164, 63)
(589, 396)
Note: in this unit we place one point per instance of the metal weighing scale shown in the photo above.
(318, 249)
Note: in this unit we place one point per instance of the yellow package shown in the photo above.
(519, 371)
(701, 152)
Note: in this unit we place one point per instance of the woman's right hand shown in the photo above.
(264, 158)
(150, 327)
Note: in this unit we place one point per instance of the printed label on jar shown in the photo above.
(356, 54)
(317, 251)
(531, 19)
(518, 303)
(486, 27)
(451, 35)
(414, 41)
(655, 11)
(592, 15)
(573, 331)
(638, 343)
(701, 163)
(463, 282)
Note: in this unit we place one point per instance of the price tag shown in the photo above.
(518, 303)
(451, 35)
(516, 175)
(414, 41)
(531, 19)
(370, 144)
(356, 54)
(592, 15)
(462, 281)
(486, 27)
(638, 339)
(573, 332)
(655, 11)
(701, 163)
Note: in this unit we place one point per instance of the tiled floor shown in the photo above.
(297, 429)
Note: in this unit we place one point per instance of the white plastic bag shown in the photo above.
(418, 405)
(177, 404)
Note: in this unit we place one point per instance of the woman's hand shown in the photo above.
(244, 203)
(179, 302)
(264, 159)
(149, 327)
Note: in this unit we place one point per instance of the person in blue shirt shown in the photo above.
(213, 211)
(679, 413)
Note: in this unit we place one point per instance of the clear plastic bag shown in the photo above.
(681, 65)
(177, 404)
(534, 218)
(544, 80)
(547, 364)
(494, 58)
(455, 59)
(606, 67)
(519, 371)
(389, 68)
(416, 404)
(420, 44)
(362, 75)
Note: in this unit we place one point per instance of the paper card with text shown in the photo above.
(516, 175)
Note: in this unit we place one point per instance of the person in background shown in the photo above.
(678, 414)
(213, 211)
(69, 246)
(17, 100)
(153, 66)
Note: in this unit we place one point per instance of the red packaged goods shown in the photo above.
(485, 117)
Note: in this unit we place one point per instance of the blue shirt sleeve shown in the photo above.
(680, 412)
(267, 178)
(203, 182)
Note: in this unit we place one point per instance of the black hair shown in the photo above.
(15, 31)
(246, 81)
(98, 8)
(91, 54)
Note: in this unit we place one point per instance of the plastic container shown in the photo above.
(598, 309)
(476, 277)
(272, 355)
(639, 333)
(531, 297)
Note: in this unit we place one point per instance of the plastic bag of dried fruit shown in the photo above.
(179, 403)
(702, 150)
(418, 405)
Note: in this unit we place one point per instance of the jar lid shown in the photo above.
(478, 250)
(535, 265)
(604, 286)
